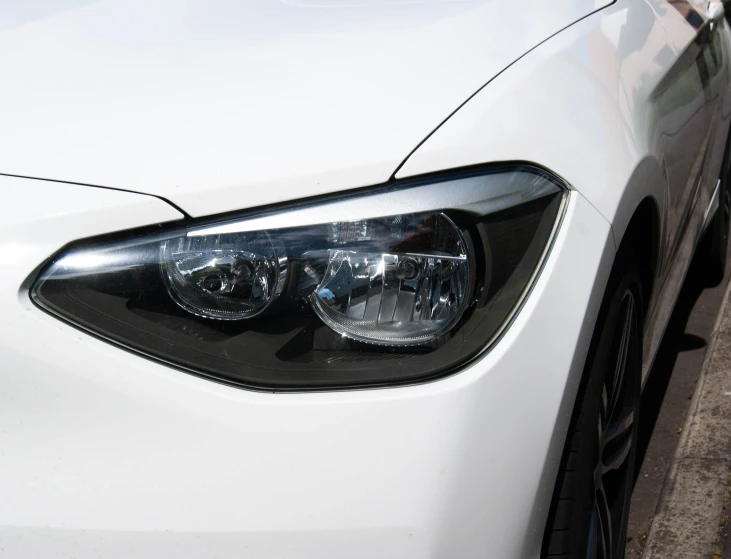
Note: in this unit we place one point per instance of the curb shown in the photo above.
(688, 514)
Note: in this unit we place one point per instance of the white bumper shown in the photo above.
(105, 453)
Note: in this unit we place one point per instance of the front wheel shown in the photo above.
(594, 486)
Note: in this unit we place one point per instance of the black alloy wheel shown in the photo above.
(589, 515)
(616, 434)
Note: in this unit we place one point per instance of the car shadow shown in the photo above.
(676, 340)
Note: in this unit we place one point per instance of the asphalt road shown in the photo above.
(667, 395)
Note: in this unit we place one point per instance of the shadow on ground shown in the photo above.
(675, 341)
(667, 394)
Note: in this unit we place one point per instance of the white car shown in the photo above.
(344, 279)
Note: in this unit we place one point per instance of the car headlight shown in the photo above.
(399, 284)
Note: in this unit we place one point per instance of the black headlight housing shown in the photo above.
(394, 285)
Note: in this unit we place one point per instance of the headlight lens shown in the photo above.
(394, 286)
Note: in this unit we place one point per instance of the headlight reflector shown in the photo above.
(396, 299)
(227, 277)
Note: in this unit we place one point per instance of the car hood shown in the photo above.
(218, 105)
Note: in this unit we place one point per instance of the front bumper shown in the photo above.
(105, 453)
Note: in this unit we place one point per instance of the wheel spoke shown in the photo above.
(624, 342)
(594, 541)
(600, 440)
(619, 441)
(604, 518)
(621, 427)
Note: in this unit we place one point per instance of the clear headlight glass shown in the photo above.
(398, 285)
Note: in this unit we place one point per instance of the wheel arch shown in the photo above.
(641, 240)
(638, 223)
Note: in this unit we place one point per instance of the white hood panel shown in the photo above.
(219, 105)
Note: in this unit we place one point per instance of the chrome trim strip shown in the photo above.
(712, 206)
(477, 195)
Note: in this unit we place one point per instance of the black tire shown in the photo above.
(583, 498)
(714, 245)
